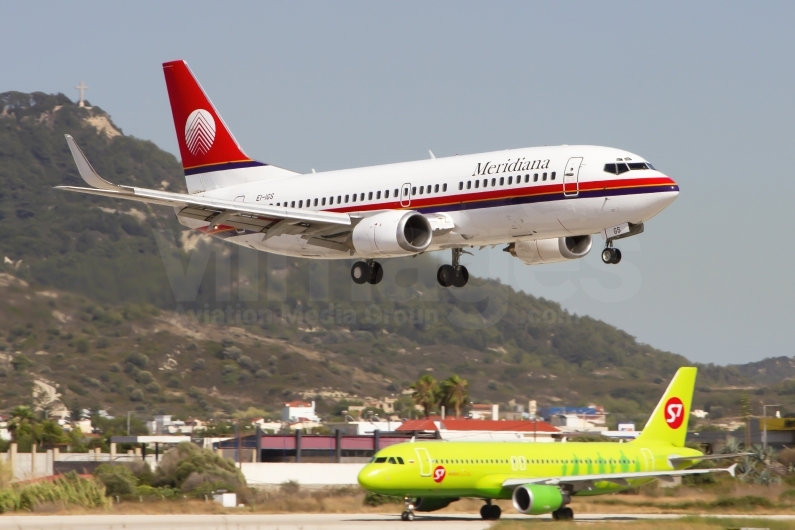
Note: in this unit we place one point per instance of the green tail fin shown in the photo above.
(668, 422)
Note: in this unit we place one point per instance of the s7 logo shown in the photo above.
(674, 412)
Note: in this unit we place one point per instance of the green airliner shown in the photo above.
(539, 477)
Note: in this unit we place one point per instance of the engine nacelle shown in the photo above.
(551, 250)
(431, 504)
(393, 233)
(533, 499)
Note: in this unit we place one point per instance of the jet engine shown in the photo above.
(533, 499)
(550, 250)
(392, 233)
(431, 504)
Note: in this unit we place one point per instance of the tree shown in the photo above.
(454, 393)
(22, 420)
(426, 393)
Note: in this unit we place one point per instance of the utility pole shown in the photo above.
(239, 456)
(128, 422)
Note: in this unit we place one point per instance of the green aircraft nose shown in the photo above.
(368, 478)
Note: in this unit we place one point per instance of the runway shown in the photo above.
(297, 521)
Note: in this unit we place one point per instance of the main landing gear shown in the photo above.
(610, 255)
(368, 271)
(563, 514)
(408, 514)
(455, 275)
(490, 512)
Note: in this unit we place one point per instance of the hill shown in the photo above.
(123, 309)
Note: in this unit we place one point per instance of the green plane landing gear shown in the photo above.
(563, 514)
(490, 512)
(408, 514)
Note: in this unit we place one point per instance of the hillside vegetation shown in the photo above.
(89, 305)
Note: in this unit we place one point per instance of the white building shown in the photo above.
(294, 411)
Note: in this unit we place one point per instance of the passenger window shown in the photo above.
(422, 188)
(339, 199)
(552, 177)
(545, 177)
(361, 197)
(300, 204)
(378, 195)
(477, 183)
(354, 197)
(315, 202)
(444, 187)
(429, 189)
(485, 182)
(502, 181)
(527, 178)
(535, 177)
(510, 180)
(405, 191)
(386, 194)
(494, 182)
(436, 189)
(292, 204)
(331, 200)
(346, 199)
(370, 196)
(469, 184)
(380, 460)
(460, 185)
(414, 190)
(396, 193)
(278, 204)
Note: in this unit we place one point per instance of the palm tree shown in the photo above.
(21, 416)
(454, 393)
(426, 393)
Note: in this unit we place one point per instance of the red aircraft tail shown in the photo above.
(205, 142)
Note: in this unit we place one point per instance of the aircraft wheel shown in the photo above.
(462, 277)
(376, 273)
(617, 256)
(556, 515)
(607, 256)
(496, 512)
(567, 514)
(445, 275)
(407, 516)
(360, 272)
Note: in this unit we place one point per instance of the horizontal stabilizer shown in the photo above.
(675, 460)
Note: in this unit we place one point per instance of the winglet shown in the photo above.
(86, 171)
(732, 469)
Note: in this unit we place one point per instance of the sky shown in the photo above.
(703, 90)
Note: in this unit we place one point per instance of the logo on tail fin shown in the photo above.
(199, 132)
(674, 412)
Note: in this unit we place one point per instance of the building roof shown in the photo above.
(478, 425)
(295, 404)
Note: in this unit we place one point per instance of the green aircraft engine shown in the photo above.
(431, 504)
(532, 499)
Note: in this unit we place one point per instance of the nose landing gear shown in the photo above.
(490, 512)
(368, 271)
(408, 513)
(455, 275)
(611, 256)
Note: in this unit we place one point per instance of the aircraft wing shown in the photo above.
(581, 482)
(272, 220)
(675, 460)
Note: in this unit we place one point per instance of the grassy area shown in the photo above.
(686, 523)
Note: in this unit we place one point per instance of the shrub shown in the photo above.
(45, 370)
(118, 479)
(187, 467)
(152, 388)
(232, 352)
(199, 364)
(136, 395)
(786, 457)
(138, 359)
(21, 362)
(262, 374)
(376, 499)
(228, 369)
(102, 342)
(291, 487)
(82, 345)
(173, 382)
(115, 367)
(3, 372)
(248, 363)
(144, 378)
(59, 356)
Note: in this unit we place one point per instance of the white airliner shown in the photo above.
(543, 203)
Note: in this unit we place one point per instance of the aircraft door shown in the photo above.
(571, 183)
(405, 195)
(648, 459)
(424, 458)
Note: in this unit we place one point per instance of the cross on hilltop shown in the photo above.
(82, 88)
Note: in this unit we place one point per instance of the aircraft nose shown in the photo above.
(367, 478)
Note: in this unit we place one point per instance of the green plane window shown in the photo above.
(400, 461)
(392, 460)
(380, 460)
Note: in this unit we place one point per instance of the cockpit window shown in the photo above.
(400, 461)
(640, 165)
(392, 460)
(616, 169)
(380, 460)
